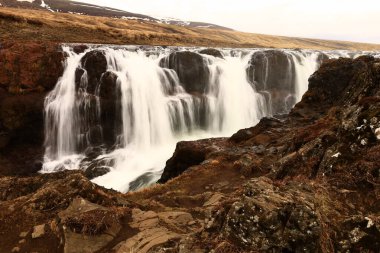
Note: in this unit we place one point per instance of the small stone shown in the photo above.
(23, 234)
(22, 241)
(272, 150)
(38, 231)
(191, 223)
(16, 249)
(377, 133)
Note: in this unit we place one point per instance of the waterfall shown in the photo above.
(233, 102)
(305, 65)
(123, 109)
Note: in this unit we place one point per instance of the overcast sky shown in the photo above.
(354, 20)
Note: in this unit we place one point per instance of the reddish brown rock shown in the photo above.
(30, 66)
(28, 70)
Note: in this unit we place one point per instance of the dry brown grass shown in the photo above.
(22, 24)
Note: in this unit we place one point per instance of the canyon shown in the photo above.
(298, 173)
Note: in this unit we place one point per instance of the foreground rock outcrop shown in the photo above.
(308, 182)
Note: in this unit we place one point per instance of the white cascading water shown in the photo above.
(233, 102)
(304, 66)
(61, 131)
(154, 119)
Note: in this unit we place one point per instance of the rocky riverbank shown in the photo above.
(308, 182)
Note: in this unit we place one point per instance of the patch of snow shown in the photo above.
(135, 18)
(168, 20)
(97, 7)
(76, 13)
(44, 5)
(336, 155)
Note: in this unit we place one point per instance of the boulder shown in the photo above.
(108, 85)
(191, 69)
(80, 48)
(93, 172)
(187, 154)
(274, 220)
(110, 108)
(213, 52)
(273, 71)
(90, 225)
(95, 63)
(38, 231)
(104, 91)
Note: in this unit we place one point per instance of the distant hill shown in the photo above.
(77, 7)
(36, 23)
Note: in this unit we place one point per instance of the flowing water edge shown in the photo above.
(130, 127)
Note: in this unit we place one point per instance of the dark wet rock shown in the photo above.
(322, 57)
(4, 139)
(95, 63)
(141, 181)
(264, 124)
(187, 154)
(110, 108)
(360, 233)
(108, 85)
(338, 82)
(79, 72)
(111, 121)
(95, 135)
(93, 172)
(273, 71)
(80, 48)
(21, 132)
(213, 52)
(191, 69)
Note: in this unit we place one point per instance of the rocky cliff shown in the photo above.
(308, 182)
(27, 72)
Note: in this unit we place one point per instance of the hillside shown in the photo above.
(77, 7)
(40, 25)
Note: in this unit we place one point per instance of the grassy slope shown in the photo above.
(22, 24)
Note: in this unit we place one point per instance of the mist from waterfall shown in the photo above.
(155, 111)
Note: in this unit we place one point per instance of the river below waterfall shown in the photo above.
(118, 112)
